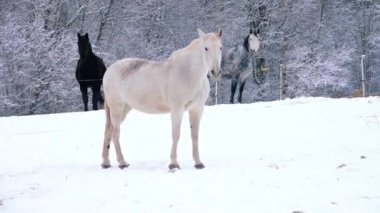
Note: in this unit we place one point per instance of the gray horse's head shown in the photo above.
(252, 41)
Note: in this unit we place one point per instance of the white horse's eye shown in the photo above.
(221, 48)
(206, 48)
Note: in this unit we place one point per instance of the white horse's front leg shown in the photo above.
(195, 115)
(176, 118)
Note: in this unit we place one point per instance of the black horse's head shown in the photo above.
(84, 45)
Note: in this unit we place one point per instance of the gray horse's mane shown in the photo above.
(246, 43)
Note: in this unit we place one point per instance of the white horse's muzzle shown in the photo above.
(215, 75)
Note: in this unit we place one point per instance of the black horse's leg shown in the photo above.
(234, 82)
(241, 89)
(95, 96)
(101, 99)
(83, 89)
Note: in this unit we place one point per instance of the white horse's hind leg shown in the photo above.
(118, 114)
(195, 115)
(117, 118)
(107, 139)
(176, 118)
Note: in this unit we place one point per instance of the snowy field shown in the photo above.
(302, 155)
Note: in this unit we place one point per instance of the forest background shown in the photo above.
(317, 44)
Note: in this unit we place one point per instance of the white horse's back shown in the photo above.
(139, 83)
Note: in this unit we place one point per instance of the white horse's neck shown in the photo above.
(192, 58)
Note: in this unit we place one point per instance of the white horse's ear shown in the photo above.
(220, 33)
(201, 33)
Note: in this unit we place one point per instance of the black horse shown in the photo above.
(89, 72)
(240, 62)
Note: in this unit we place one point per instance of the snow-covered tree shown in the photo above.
(318, 42)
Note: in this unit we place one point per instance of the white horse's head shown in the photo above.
(212, 45)
(254, 40)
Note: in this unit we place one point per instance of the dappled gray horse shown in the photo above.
(239, 62)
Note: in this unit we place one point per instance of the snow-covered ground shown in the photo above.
(301, 155)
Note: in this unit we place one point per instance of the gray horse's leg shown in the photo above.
(234, 83)
(241, 89)
(242, 79)
(195, 115)
(176, 118)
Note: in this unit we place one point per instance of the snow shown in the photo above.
(302, 155)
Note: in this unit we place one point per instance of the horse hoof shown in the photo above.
(199, 166)
(174, 166)
(122, 166)
(106, 166)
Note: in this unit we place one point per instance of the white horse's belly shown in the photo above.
(155, 99)
(149, 98)
(147, 106)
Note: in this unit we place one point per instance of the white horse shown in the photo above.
(175, 85)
